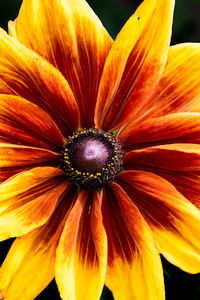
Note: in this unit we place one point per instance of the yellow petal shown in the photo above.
(72, 38)
(82, 251)
(134, 269)
(12, 28)
(135, 64)
(28, 267)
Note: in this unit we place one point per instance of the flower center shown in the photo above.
(91, 158)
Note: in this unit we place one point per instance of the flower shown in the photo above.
(100, 154)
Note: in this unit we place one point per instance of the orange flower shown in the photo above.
(86, 206)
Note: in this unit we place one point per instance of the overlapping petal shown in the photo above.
(178, 89)
(173, 219)
(18, 158)
(177, 157)
(6, 173)
(28, 199)
(24, 73)
(187, 183)
(134, 64)
(177, 163)
(22, 122)
(82, 251)
(15, 155)
(28, 267)
(72, 38)
(168, 129)
(31, 259)
(134, 269)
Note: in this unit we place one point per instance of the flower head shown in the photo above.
(100, 154)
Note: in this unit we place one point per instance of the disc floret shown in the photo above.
(91, 158)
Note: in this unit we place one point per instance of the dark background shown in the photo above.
(186, 28)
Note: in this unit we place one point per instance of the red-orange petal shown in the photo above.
(134, 64)
(72, 38)
(28, 199)
(172, 128)
(174, 221)
(179, 86)
(22, 122)
(25, 73)
(177, 157)
(179, 164)
(187, 183)
(82, 251)
(6, 173)
(134, 270)
(16, 155)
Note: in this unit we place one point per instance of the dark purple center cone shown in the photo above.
(91, 155)
(91, 158)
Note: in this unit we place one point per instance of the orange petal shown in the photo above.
(173, 219)
(15, 155)
(82, 251)
(72, 38)
(178, 127)
(24, 73)
(6, 173)
(134, 269)
(28, 199)
(22, 122)
(134, 64)
(179, 87)
(177, 157)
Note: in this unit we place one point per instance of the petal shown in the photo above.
(187, 183)
(27, 180)
(177, 163)
(24, 73)
(134, 269)
(30, 263)
(16, 155)
(28, 268)
(177, 157)
(134, 64)
(12, 28)
(6, 173)
(179, 87)
(178, 128)
(82, 251)
(28, 199)
(173, 219)
(22, 122)
(72, 38)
